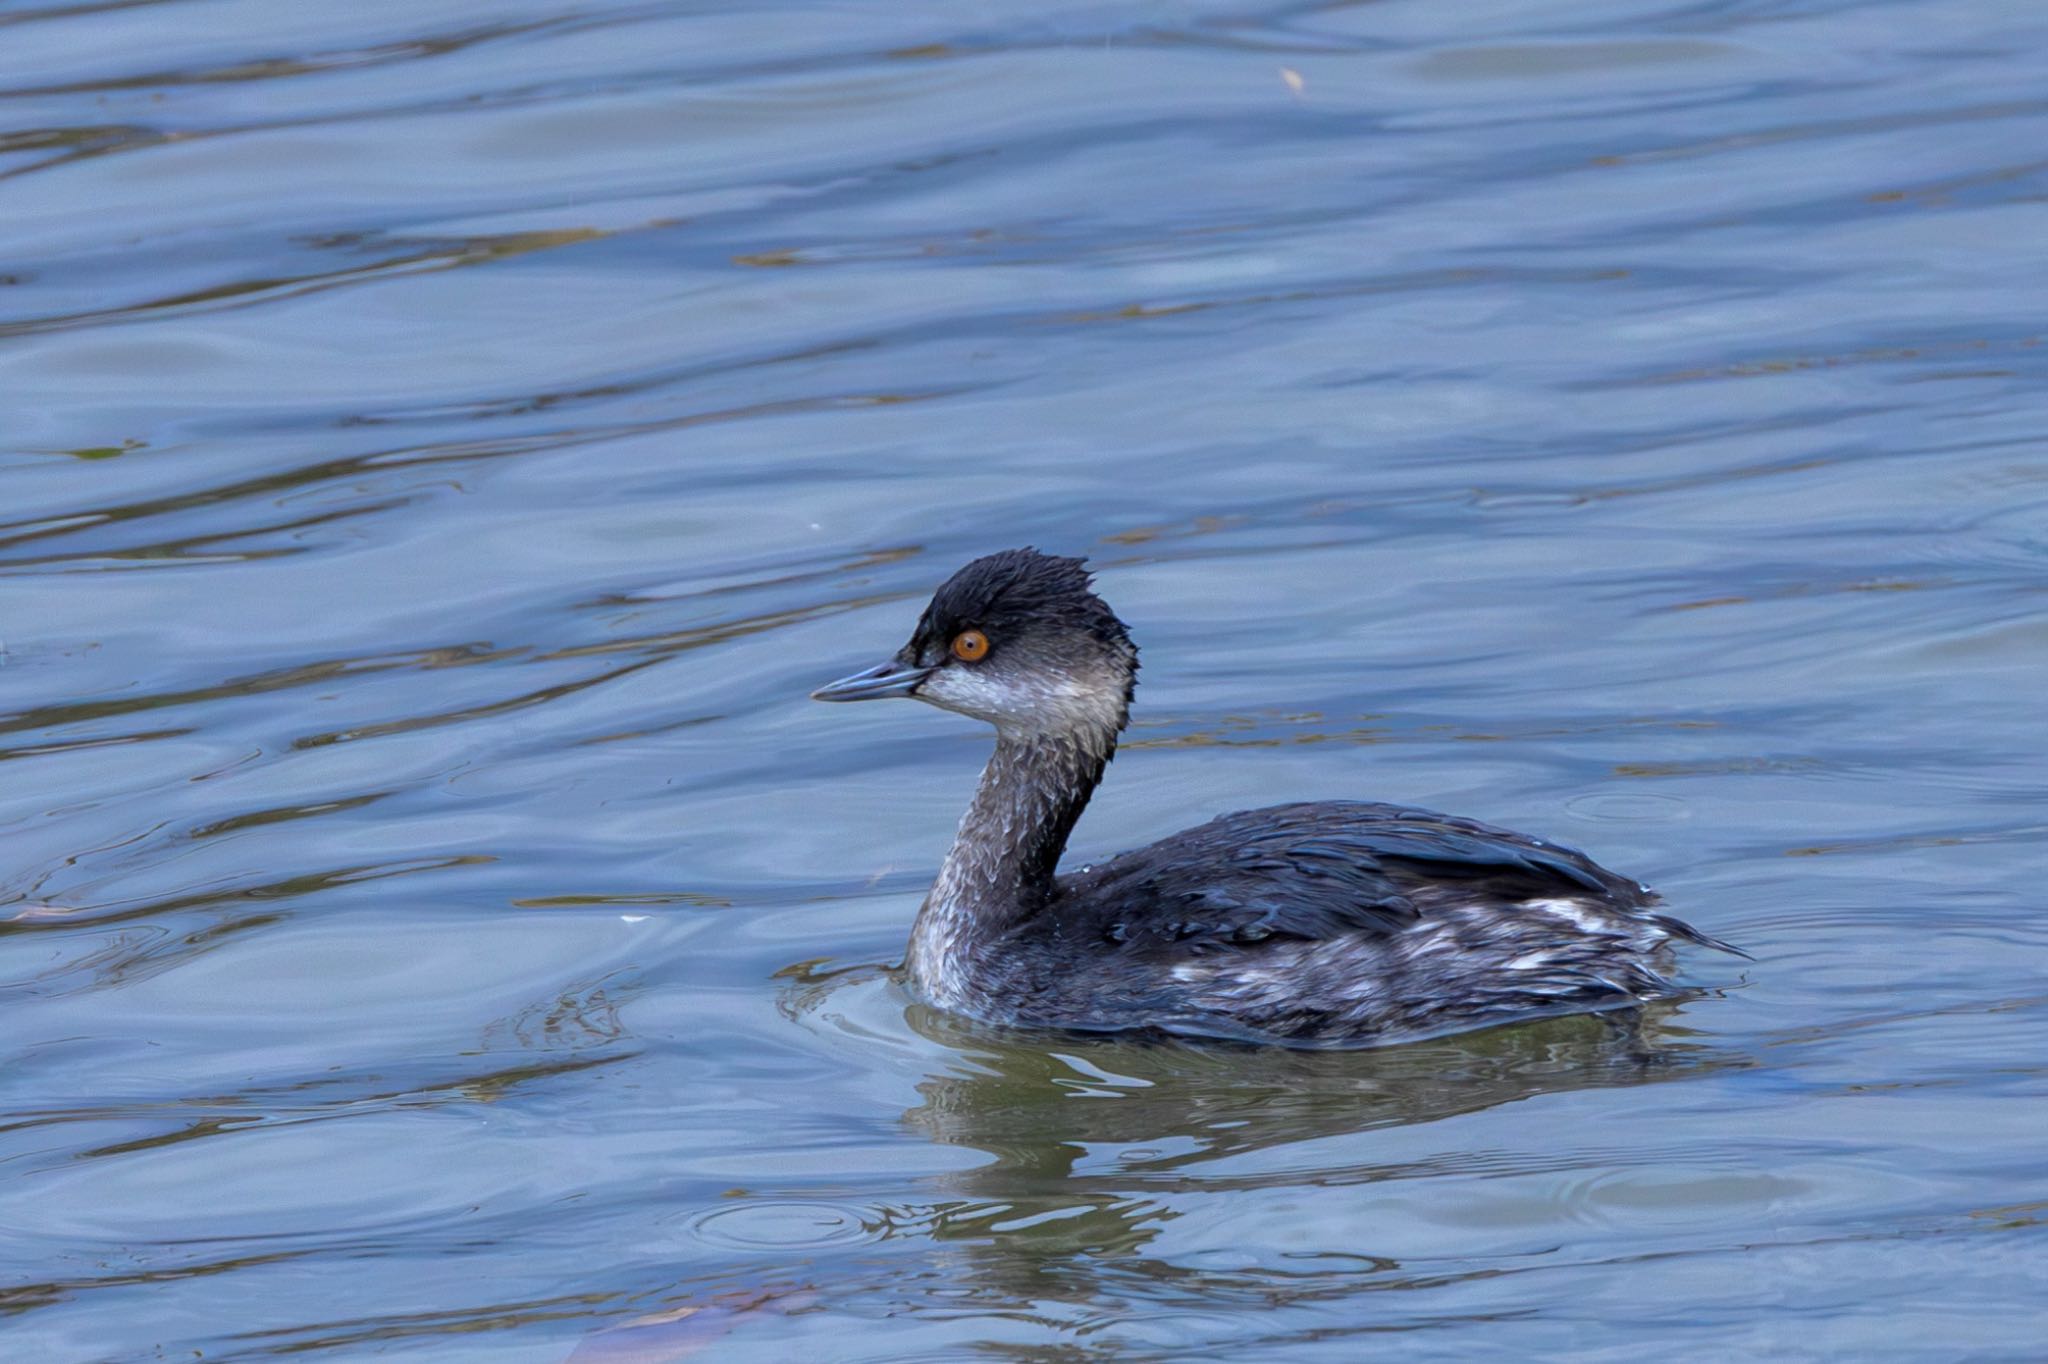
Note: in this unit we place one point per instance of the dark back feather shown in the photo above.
(1312, 872)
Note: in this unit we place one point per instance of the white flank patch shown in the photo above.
(1572, 912)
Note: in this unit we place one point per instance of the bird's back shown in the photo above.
(1332, 921)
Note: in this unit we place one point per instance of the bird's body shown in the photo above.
(1332, 922)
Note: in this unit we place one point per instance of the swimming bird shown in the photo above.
(1318, 923)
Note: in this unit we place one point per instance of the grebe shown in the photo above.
(1324, 923)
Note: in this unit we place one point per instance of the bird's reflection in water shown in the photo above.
(1094, 1141)
(1090, 1137)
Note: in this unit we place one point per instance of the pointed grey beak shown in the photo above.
(887, 679)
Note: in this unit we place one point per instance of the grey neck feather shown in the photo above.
(1000, 870)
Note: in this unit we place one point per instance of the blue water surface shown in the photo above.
(444, 441)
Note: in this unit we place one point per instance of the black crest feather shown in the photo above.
(1019, 590)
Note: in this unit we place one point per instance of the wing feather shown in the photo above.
(1313, 872)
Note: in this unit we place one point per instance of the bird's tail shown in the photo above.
(1679, 928)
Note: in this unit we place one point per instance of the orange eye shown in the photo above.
(970, 646)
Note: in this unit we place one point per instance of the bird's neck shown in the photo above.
(1000, 870)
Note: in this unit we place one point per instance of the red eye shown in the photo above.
(970, 646)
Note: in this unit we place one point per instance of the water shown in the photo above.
(444, 442)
